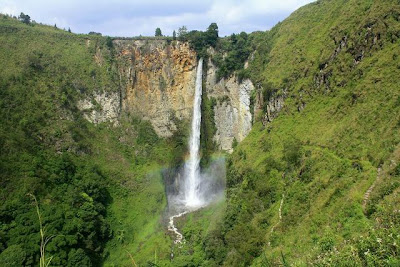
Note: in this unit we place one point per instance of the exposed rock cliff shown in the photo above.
(273, 106)
(159, 81)
(233, 118)
(101, 107)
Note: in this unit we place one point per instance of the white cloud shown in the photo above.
(8, 7)
(135, 17)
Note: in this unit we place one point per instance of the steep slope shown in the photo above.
(328, 100)
(158, 77)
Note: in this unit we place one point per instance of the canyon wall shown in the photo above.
(157, 80)
(157, 83)
(232, 115)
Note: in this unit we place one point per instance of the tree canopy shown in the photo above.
(212, 34)
(24, 18)
(182, 31)
(158, 32)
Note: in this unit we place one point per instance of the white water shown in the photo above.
(172, 227)
(192, 198)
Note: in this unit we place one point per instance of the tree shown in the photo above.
(95, 33)
(69, 30)
(158, 32)
(24, 18)
(212, 34)
(213, 29)
(174, 35)
(109, 42)
(13, 255)
(292, 152)
(55, 26)
(78, 257)
(182, 31)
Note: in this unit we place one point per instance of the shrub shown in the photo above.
(292, 152)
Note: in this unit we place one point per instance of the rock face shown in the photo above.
(232, 115)
(101, 107)
(158, 81)
(274, 106)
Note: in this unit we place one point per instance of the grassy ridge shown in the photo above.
(322, 159)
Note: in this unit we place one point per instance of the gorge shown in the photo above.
(270, 148)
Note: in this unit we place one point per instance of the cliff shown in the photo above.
(157, 80)
(232, 115)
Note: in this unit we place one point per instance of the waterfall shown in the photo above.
(192, 166)
(198, 189)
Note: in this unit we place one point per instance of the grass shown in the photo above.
(324, 157)
(100, 186)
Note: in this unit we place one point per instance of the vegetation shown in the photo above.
(158, 32)
(24, 18)
(232, 54)
(296, 186)
(208, 128)
(99, 188)
(335, 64)
(200, 40)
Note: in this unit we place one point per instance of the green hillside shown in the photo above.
(317, 183)
(336, 64)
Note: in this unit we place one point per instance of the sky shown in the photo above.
(141, 17)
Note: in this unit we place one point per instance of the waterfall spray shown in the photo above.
(192, 167)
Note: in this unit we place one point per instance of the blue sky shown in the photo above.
(134, 17)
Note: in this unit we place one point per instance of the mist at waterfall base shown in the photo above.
(209, 189)
(190, 188)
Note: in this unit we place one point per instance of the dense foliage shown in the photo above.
(158, 32)
(233, 51)
(199, 40)
(230, 53)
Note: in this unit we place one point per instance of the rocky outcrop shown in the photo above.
(268, 109)
(157, 80)
(232, 115)
(101, 107)
(274, 106)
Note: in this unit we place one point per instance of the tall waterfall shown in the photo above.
(192, 166)
(198, 189)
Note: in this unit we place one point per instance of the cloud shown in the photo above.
(134, 17)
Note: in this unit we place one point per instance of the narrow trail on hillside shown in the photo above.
(279, 213)
(368, 193)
